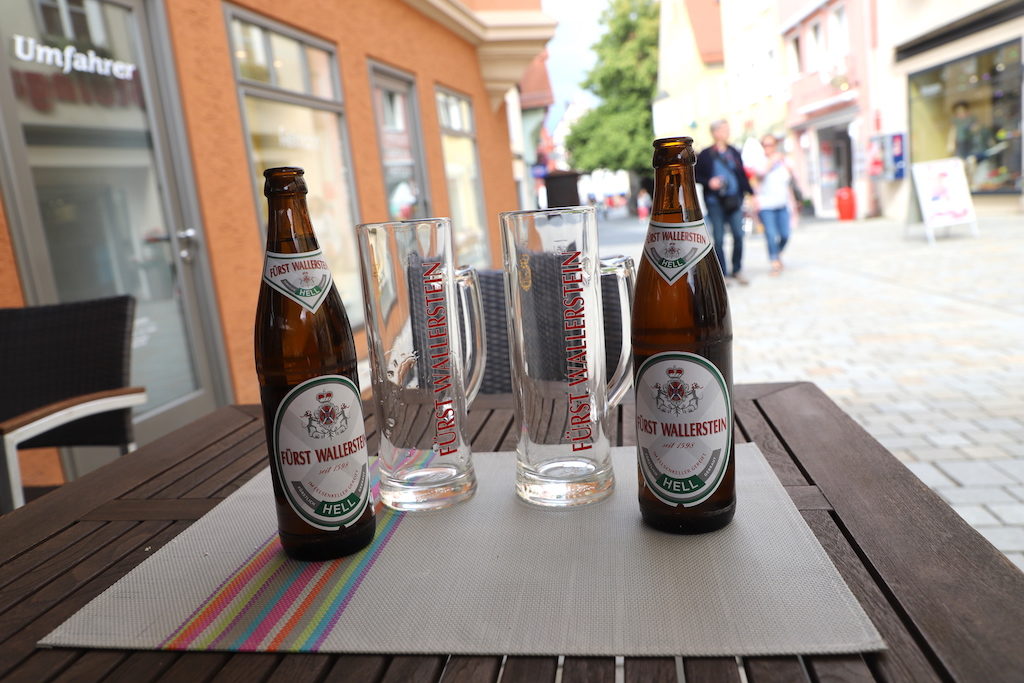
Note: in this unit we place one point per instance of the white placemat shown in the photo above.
(494, 576)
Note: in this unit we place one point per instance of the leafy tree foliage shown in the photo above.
(617, 134)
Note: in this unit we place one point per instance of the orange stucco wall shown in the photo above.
(11, 295)
(386, 31)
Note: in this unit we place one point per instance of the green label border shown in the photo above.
(311, 307)
(686, 356)
(363, 489)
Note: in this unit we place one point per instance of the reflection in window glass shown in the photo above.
(284, 134)
(462, 173)
(320, 76)
(289, 65)
(970, 108)
(250, 51)
(295, 119)
(394, 110)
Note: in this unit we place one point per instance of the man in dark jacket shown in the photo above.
(720, 170)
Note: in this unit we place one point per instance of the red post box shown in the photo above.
(846, 204)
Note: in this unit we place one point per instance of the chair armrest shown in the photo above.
(47, 417)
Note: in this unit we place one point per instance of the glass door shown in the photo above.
(98, 211)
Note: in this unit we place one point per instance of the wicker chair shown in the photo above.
(65, 371)
(498, 372)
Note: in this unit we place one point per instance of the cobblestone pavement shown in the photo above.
(922, 345)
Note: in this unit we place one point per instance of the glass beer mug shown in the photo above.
(414, 301)
(556, 331)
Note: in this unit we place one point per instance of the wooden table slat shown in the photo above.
(29, 585)
(171, 509)
(808, 498)
(757, 429)
(358, 668)
(462, 669)
(530, 670)
(39, 613)
(42, 666)
(224, 469)
(142, 667)
(68, 503)
(174, 481)
(93, 665)
(774, 670)
(301, 668)
(197, 667)
(414, 669)
(917, 544)
(51, 547)
(588, 670)
(840, 669)
(711, 670)
(248, 667)
(650, 670)
(904, 662)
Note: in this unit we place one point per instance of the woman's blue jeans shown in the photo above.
(776, 230)
(718, 218)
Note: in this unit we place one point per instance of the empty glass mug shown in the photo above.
(557, 338)
(414, 301)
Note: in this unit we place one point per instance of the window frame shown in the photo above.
(471, 135)
(381, 74)
(271, 92)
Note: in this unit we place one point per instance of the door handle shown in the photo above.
(187, 240)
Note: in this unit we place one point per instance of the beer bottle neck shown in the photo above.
(675, 194)
(289, 230)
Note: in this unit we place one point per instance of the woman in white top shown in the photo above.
(773, 191)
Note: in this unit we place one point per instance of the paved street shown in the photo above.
(922, 345)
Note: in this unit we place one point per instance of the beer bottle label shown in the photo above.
(683, 426)
(320, 452)
(674, 248)
(303, 278)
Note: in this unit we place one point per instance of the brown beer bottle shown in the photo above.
(682, 359)
(309, 386)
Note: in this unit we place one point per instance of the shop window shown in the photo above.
(399, 137)
(462, 173)
(294, 116)
(838, 38)
(80, 21)
(971, 108)
(794, 57)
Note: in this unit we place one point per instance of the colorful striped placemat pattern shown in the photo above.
(273, 603)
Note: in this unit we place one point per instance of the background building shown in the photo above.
(134, 134)
(692, 88)
(949, 79)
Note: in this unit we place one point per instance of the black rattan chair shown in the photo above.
(65, 374)
(498, 372)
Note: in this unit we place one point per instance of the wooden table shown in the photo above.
(948, 604)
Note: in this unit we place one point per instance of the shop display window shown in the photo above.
(970, 108)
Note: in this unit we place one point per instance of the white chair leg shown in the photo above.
(11, 494)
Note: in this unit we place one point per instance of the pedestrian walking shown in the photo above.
(720, 170)
(643, 205)
(774, 186)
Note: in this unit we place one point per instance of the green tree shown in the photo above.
(617, 134)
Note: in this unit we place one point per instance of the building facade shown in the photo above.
(950, 77)
(135, 133)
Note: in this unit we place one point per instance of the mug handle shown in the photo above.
(474, 341)
(625, 277)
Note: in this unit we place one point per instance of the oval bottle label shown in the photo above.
(303, 278)
(320, 452)
(684, 426)
(674, 248)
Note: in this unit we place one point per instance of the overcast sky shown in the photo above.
(569, 53)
